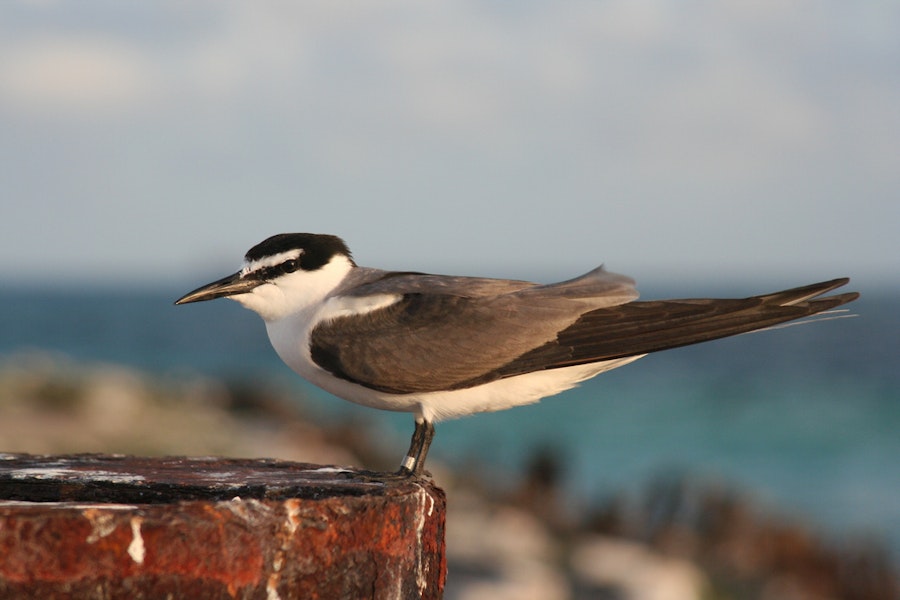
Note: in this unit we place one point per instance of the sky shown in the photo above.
(156, 142)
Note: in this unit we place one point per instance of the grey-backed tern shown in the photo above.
(442, 347)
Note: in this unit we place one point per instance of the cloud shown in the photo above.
(648, 117)
(74, 74)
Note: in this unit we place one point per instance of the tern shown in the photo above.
(443, 347)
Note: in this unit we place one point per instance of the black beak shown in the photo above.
(227, 286)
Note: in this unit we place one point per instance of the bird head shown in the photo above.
(282, 275)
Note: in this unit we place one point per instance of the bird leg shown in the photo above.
(414, 463)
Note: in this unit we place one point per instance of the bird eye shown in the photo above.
(291, 265)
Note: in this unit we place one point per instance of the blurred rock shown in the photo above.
(519, 540)
(52, 406)
(747, 552)
(632, 571)
(500, 552)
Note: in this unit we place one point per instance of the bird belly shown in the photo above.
(511, 391)
(440, 406)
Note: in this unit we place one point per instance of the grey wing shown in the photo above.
(434, 342)
(597, 287)
(364, 281)
(457, 338)
(641, 327)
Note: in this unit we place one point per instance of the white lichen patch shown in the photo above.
(136, 548)
(70, 474)
(102, 522)
(422, 571)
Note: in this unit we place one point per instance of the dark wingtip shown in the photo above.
(848, 297)
(806, 293)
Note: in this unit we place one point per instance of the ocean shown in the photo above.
(806, 419)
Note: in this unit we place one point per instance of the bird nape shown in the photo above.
(443, 347)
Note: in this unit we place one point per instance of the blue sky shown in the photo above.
(742, 140)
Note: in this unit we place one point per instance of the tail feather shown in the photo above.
(828, 315)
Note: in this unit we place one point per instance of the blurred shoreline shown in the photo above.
(518, 537)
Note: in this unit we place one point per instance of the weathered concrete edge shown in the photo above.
(391, 546)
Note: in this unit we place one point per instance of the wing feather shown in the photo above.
(442, 341)
(447, 331)
(641, 327)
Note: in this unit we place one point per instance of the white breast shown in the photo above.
(290, 336)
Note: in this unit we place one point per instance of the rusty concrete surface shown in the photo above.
(100, 526)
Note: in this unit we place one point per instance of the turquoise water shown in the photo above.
(806, 418)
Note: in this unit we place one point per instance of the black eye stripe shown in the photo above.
(269, 273)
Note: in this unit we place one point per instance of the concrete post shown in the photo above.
(100, 526)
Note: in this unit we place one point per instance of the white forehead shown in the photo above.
(270, 261)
